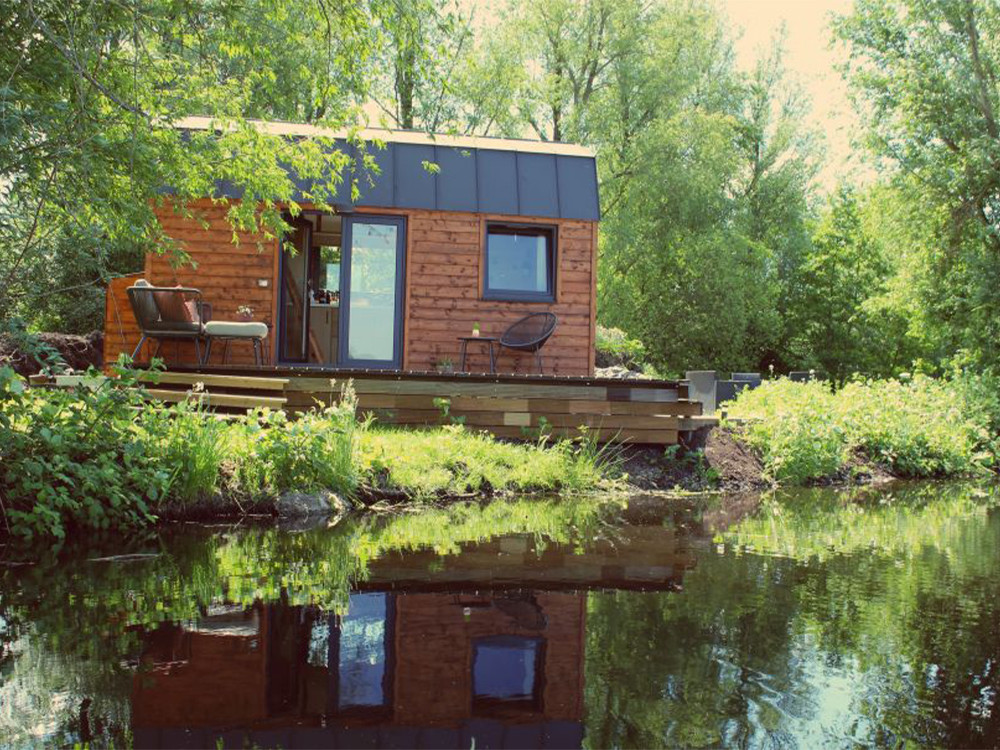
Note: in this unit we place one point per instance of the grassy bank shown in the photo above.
(917, 427)
(103, 457)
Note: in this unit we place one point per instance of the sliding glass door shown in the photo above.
(371, 317)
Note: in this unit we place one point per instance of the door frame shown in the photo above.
(346, 260)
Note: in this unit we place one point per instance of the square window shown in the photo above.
(506, 671)
(520, 262)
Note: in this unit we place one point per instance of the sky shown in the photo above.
(810, 58)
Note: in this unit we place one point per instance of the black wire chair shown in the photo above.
(529, 334)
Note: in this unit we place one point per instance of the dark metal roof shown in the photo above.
(514, 177)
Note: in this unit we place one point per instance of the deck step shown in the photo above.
(221, 381)
(619, 411)
(228, 400)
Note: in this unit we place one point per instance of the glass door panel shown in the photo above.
(371, 306)
(295, 296)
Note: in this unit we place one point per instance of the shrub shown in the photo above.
(794, 428)
(313, 451)
(919, 427)
(916, 428)
(76, 457)
(614, 347)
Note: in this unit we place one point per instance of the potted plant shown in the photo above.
(445, 365)
(475, 330)
(244, 312)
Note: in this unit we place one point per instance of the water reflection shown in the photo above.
(822, 619)
(413, 670)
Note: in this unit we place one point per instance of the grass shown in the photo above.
(103, 458)
(453, 460)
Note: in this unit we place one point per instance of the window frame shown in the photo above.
(511, 295)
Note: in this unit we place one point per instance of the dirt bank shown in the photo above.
(79, 352)
(728, 465)
(724, 464)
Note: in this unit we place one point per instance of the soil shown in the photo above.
(79, 352)
(722, 464)
(738, 467)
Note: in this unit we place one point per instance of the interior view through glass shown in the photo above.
(371, 332)
(310, 290)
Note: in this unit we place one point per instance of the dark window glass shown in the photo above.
(505, 668)
(519, 262)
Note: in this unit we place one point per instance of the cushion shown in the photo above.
(236, 330)
(173, 308)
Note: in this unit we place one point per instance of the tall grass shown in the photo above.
(191, 443)
(920, 427)
(455, 461)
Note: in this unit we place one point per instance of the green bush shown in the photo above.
(919, 427)
(76, 457)
(614, 347)
(99, 456)
(794, 428)
(915, 428)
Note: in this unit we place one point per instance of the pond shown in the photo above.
(814, 619)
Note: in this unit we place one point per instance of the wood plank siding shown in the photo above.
(443, 295)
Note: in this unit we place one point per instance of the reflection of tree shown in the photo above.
(373, 259)
(680, 669)
(872, 624)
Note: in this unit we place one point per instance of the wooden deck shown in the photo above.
(512, 406)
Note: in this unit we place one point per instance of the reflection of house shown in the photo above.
(437, 666)
(438, 670)
(646, 557)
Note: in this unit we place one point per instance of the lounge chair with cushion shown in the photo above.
(529, 334)
(179, 314)
(168, 313)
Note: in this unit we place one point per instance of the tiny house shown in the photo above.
(394, 280)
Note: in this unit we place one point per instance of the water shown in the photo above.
(819, 619)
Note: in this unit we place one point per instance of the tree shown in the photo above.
(837, 314)
(924, 75)
(705, 180)
(88, 96)
(420, 44)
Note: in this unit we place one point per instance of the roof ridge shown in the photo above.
(285, 128)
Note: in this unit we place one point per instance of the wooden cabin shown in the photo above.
(391, 281)
(382, 290)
